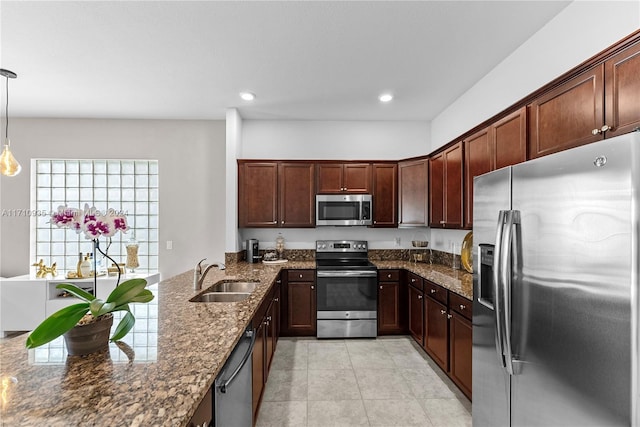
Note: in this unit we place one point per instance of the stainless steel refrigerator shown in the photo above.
(556, 289)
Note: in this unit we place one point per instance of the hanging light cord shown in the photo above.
(6, 128)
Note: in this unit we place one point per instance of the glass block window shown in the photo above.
(130, 186)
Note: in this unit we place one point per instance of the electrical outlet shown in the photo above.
(169, 245)
(398, 241)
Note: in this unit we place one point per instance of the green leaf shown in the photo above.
(128, 289)
(57, 324)
(99, 307)
(144, 296)
(76, 291)
(124, 326)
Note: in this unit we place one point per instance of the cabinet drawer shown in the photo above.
(460, 305)
(436, 292)
(415, 280)
(301, 275)
(389, 275)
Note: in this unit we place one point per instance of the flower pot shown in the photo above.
(89, 338)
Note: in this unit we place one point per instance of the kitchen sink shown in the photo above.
(220, 297)
(228, 286)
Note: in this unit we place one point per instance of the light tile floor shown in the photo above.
(359, 382)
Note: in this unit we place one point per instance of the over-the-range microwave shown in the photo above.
(343, 209)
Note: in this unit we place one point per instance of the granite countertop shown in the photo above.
(179, 347)
(458, 281)
(165, 365)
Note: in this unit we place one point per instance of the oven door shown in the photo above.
(349, 290)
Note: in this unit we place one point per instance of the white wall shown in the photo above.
(191, 157)
(331, 140)
(334, 140)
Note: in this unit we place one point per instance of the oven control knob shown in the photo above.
(346, 314)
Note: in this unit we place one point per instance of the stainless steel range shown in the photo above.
(347, 296)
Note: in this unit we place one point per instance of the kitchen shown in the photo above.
(209, 159)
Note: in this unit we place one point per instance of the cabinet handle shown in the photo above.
(412, 280)
(443, 312)
(268, 318)
(276, 299)
(419, 296)
(606, 128)
(375, 222)
(462, 306)
(313, 287)
(380, 286)
(595, 131)
(389, 276)
(433, 291)
(443, 222)
(449, 316)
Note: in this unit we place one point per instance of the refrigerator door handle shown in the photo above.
(497, 287)
(509, 249)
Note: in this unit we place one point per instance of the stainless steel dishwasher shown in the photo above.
(233, 386)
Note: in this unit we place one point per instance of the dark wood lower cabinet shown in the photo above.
(416, 314)
(436, 332)
(392, 303)
(460, 349)
(299, 303)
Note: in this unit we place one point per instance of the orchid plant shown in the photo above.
(92, 222)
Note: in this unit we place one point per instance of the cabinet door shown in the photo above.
(436, 332)
(566, 116)
(301, 302)
(389, 308)
(509, 136)
(329, 178)
(270, 344)
(385, 200)
(357, 178)
(622, 91)
(258, 368)
(477, 155)
(436, 190)
(416, 309)
(413, 190)
(258, 194)
(460, 338)
(203, 416)
(297, 194)
(453, 187)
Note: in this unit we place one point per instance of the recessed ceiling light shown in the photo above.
(247, 96)
(385, 97)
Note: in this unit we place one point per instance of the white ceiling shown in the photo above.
(304, 59)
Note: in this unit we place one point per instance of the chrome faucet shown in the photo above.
(199, 275)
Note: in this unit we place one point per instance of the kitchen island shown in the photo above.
(175, 354)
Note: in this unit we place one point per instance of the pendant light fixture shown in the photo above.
(9, 166)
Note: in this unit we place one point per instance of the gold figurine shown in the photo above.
(43, 270)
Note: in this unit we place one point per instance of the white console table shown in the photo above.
(25, 301)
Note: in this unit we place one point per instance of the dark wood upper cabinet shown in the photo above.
(477, 160)
(445, 188)
(296, 194)
(276, 194)
(503, 143)
(508, 138)
(344, 178)
(569, 115)
(385, 194)
(622, 91)
(413, 190)
(258, 194)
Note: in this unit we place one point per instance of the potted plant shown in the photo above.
(86, 325)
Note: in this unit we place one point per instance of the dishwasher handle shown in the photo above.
(249, 334)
